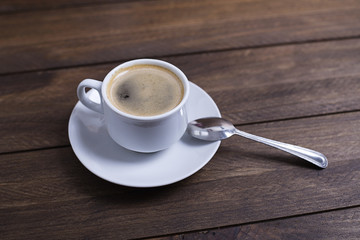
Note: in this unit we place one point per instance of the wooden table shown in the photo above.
(286, 70)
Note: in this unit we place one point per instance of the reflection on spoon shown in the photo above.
(213, 129)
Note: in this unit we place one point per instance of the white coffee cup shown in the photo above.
(139, 133)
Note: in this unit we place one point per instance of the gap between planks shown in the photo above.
(168, 236)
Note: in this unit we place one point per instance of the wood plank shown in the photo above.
(245, 182)
(334, 225)
(252, 85)
(11, 6)
(271, 83)
(114, 32)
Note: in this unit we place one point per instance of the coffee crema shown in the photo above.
(145, 90)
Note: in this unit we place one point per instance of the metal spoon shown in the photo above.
(213, 129)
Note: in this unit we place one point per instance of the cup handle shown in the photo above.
(84, 98)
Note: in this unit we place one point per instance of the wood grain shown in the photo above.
(334, 225)
(11, 6)
(115, 32)
(253, 85)
(244, 182)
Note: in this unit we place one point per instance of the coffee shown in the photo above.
(145, 90)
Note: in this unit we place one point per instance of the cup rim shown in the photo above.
(147, 61)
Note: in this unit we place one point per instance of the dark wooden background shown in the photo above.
(287, 70)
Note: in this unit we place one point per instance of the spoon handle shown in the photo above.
(312, 156)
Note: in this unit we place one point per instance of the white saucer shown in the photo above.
(103, 157)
